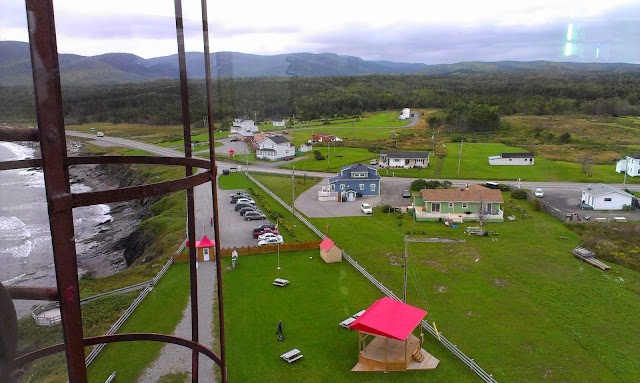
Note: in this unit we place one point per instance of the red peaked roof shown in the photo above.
(204, 242)
(326, 244)
(389, 318)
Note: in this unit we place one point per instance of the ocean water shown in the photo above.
(26, 255)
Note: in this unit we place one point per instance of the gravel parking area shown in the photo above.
(566, 201)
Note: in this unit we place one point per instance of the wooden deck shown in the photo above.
(383, 354)
(589, 257)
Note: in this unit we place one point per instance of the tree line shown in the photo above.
(472, 101)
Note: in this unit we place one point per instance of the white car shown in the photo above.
(271, 241)
(538, 193)
(373, 162)
(269, 235)
(100, 134)
(366, 208)
(245, 200)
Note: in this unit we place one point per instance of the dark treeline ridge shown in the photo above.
(510, 93)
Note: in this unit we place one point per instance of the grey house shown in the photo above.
(354, 179)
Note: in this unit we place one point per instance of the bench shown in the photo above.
(357, 315)
(291, 356)
(280, 282)
(345, 323)
(619, 219)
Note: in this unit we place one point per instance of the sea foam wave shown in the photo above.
(19, 152)
(13, 228)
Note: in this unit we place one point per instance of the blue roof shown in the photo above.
(345, 173)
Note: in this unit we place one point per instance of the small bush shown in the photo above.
(519, 194)
(537, 205)
(387, 208)
(317, 155)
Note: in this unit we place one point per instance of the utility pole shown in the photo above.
(624, 181)
(393, 174)
(433, 142)
(459, 158)
(246, 156)
(328, 156)
(353, 126)
(404, 289)
(293, 190)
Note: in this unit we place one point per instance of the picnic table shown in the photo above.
(357, 315)
(345, 323)
(280, 282)
(291, 356)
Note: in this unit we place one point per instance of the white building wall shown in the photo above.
(609, 201)
(510, 161)
(633, 167)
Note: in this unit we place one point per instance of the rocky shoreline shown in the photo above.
(118, 241)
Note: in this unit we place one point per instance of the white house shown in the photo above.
(274, 148)
(631, 165)
(404, 160)
(306, 147)
(512, 159)
(605, 197)
(244, 127)
(279, 123)
(406, 113)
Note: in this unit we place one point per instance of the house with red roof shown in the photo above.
(329, 251)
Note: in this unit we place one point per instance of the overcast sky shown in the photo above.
(406, 31)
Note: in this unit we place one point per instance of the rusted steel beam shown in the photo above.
(12, 134)
(33, 293)
(214, 189)
(115, 338)
(20, 164)
(191, 231)
(132, 192)
(49, 110)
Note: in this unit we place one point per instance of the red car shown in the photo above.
(259, 232)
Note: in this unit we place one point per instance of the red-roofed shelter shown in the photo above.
(394, 347)
(329, 251)
(204, 250)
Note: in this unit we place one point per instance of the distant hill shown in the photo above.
(114, 68)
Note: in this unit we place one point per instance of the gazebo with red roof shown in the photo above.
(329, 251)
(394, 347)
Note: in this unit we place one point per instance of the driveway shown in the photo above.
(566, 200)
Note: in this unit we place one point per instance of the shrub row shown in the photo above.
(276, 216)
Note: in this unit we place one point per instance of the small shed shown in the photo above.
(204, 250)
(329, 251)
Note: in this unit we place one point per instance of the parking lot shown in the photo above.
(566, 201)
(234, 230)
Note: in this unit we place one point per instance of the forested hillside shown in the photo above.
(508, 93)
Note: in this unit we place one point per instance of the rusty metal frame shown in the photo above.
(60, 200)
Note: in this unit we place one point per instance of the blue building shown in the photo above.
(354, 179)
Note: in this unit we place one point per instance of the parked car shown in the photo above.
(269, 235)
(270, 241)
(406, 194)
(373, 162)
(254, 215)
(288, 158)
(235, 198)
(366, 208)
(234, 139)
(100, 134)
(585, 206)
(244, 210)
(266, 225)
(285, 132)
(258, 232)
(241, 205)
(538, 193)
(245, 200)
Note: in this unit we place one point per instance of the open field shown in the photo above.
(317, 299)
(337, 158)
(522, 306)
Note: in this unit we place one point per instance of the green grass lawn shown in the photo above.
(336, 159)
(317, 299)
(129, 359)
(522, 306)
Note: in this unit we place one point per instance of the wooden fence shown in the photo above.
(253, 250)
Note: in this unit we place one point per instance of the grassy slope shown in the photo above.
(129, 359)
(338, 158)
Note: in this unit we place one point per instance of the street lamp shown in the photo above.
(293, 190)
(459, 158)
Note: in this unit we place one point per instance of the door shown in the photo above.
(205, 253)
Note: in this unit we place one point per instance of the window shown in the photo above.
(373, 187)
(406, 162)
(607, 200)
(361, 186)
(435, 207)
(450, 205)
(341, 186)
(465, 205)
(333, 187)
(359, 175)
